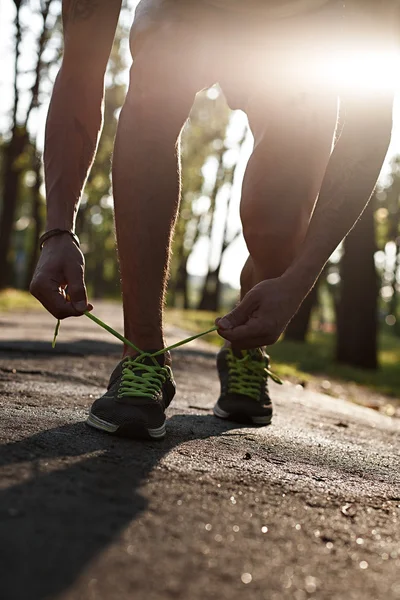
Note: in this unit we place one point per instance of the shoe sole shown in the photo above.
(132, 430)
(242, 418)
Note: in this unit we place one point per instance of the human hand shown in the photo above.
(262, 315)
(61, 264)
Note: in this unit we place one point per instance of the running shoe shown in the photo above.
(244, 386)
(139, 391)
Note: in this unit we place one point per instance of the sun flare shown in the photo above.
(366, 71)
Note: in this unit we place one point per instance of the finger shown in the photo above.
(47, 291)
(239, 315)
(247, 343)
(248, 331)
(77, 289)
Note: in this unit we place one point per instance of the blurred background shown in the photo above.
(346, 335)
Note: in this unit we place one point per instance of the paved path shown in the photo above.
(306, 508)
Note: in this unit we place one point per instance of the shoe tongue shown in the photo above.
(256, 353)
(238, 353)
(149, 360)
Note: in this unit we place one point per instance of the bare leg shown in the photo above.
(146, 175)
(282, 182)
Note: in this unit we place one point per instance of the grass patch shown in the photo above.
(11, 300)
(317, 358)
(300, 362)
(194, 321)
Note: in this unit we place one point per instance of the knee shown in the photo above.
(275, 229)
(277, 235)
(153, 105)
(161, 88)
(146, 26)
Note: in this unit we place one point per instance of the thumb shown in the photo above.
(82, 306)
(239, 315)
(77, 292)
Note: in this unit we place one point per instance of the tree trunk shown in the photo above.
(97, 278)
(393, 195)
(37, 219)
(11, 175)
(357, 312)
(11, 171)
(298, 327)
(394, 299)
(183, 285)
(16, 147)
(180, 287)
(211, 295)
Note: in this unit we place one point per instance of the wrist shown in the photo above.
(298, 280)
(57, 218)
(58, 233)
(60, 223)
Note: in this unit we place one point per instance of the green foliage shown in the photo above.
(194, 321)
(301, 361)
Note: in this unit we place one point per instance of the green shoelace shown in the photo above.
(147, 382)
(152, 377)
(139, 379)
(247, 375)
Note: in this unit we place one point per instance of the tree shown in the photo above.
(298, 327)
(211, 294)
(201, 142)
(11, 169)
(357, 320)
(389, 230)
(37, 216)
(17, 151)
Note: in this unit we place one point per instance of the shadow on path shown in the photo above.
(54, 522)
(11, 348)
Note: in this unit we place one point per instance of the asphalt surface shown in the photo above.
(308, 507)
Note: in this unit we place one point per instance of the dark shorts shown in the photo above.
(248, 54)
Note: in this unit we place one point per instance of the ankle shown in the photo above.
(131, 353)
(144, 343)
